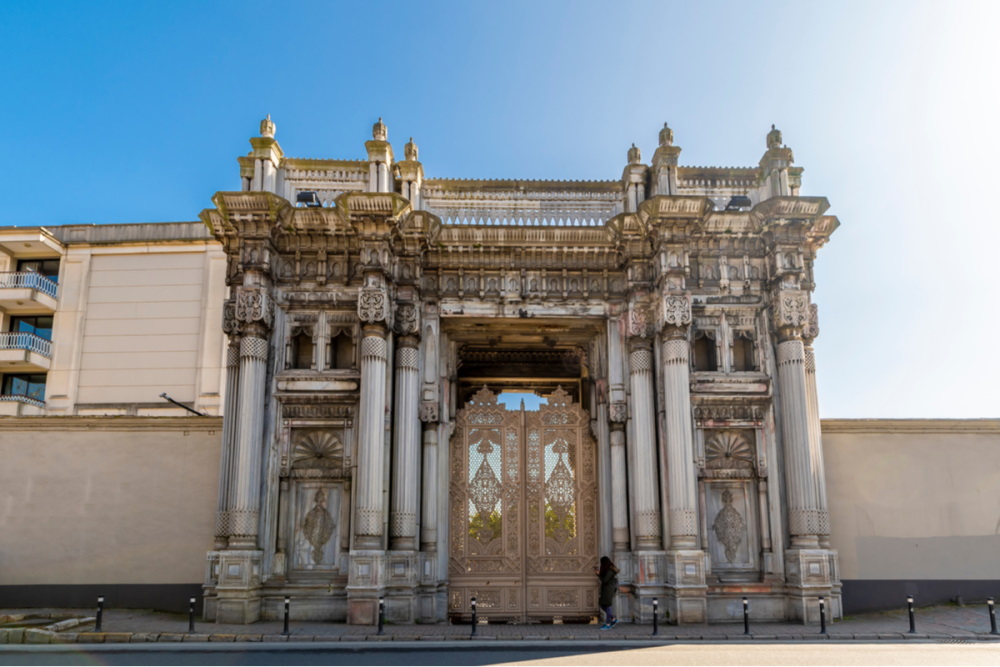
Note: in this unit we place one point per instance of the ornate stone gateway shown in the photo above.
(523, 511)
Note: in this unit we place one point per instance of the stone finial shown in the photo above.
(267, 127)
(774, 138)
(379, 131)
(634, 156)
(410, 150)
(666, 136)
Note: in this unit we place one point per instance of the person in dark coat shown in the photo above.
(607, 573)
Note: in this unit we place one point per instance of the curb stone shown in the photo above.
(196, 637)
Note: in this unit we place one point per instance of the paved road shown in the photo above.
(502, 653)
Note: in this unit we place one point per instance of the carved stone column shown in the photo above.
(406, 443)
(685, 561)
(792, 312)
(647, 511)
(366, 576)
(809, 569)
(230, 435)
(647, 526)
(238, 590)
(809, 334)
(619, 481)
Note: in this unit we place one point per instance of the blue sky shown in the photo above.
(136, 111)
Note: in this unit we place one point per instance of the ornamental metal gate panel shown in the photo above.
(523, 525)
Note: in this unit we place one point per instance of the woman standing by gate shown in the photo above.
(607, 573)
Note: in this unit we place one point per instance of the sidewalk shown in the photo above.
(71, 626)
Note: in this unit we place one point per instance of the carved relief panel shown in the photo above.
(729, 483)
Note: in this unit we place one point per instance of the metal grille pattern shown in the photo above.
(523, 511)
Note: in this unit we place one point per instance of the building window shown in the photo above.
(40, 325)
(302, 350)
(743, 352)
(23, 384)
(46, 267)
(704, 351)
(342, 351)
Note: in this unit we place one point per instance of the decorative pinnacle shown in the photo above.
(267, 127)
(634, 156)
(666, 136)
(379, 131)
(774, 138)
(410, 150)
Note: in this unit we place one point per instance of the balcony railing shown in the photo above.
(17, 398)
(17, 340)
(29, 280)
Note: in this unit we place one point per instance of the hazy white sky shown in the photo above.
(133, 112)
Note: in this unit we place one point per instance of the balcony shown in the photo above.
(20, 406)
(27, 292)
(24, 352)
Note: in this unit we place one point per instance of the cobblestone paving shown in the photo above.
(944, 623)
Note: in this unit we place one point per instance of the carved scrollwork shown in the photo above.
(254, 305)
(792, 309)
(676, 310)
(373, 305)
(618, 412)
(638, 322)
(811, 330)
(230, 325)
(429, 412)
(407, 319)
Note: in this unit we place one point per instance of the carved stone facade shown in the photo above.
(669, 308)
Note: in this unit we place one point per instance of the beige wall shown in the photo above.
(107, 500)
(136, 321)
(914, 499)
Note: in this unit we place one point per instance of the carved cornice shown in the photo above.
(106, 423)
(909, 426)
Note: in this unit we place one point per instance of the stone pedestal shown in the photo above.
(648, 583)
(401, 586)
(365, 585)
(237, 597)
(427, 589)
(809, 574)
(686, 588)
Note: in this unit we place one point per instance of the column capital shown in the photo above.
(253, 312)
(617, 413)
(373, 305)
(407, 321)
(675, 314)
(639, 324)
(811, 330)
(791, 313)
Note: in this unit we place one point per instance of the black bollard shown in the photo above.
(288, 603)
(100, 613)
(475, 619)
(746, 616)
(656, 616)
(993, 616)
(913, 620)
(822, 615)
(191, 615)
(381, 616)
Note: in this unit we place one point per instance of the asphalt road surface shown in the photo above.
(515, 653)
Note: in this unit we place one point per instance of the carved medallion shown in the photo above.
(729, 526)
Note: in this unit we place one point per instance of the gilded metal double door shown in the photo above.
(523, 523)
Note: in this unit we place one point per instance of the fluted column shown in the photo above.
(406, 447)
(800, 466)
(245, 512)
(371, 415)
(810, 332)
(681, 481)
(619, 488)
(647, 512)
(230, 437)
(429, 506)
